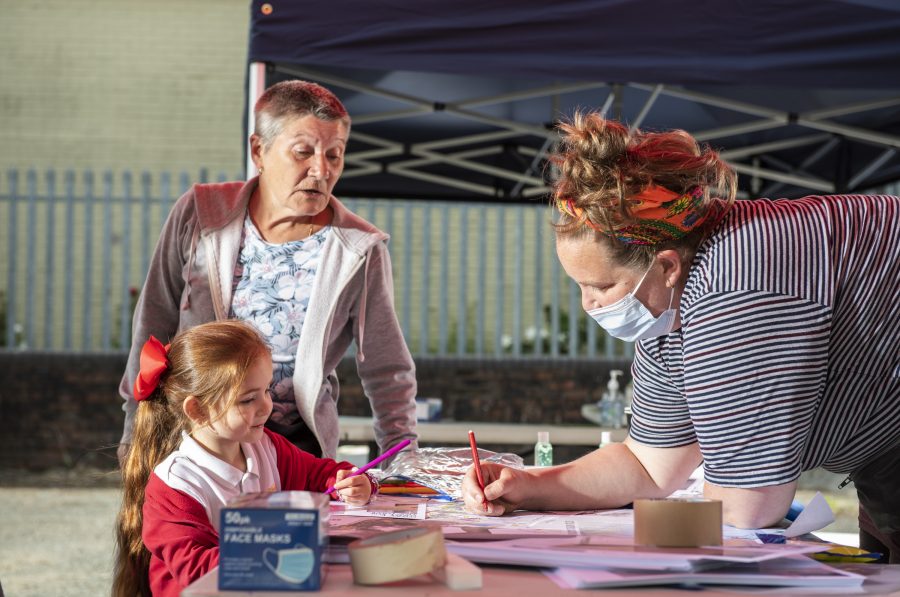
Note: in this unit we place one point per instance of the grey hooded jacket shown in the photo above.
(190, 282)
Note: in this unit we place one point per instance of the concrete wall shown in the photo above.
(63, 410)
(123, 84)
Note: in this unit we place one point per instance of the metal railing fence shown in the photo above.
(470, 279)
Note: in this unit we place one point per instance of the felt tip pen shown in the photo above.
(366, 467)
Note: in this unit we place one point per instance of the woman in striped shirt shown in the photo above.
(768, 336)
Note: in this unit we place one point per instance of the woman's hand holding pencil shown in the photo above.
(504, 489)
(494, 480)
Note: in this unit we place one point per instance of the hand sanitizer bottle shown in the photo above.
(612, 404)
(543, 451)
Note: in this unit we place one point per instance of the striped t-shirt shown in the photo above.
(788, 356)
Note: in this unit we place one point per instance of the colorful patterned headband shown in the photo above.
(153, 364)
(663, 215)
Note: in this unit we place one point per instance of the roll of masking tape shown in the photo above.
(397, 555)
(678, 522)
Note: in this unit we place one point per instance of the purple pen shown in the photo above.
(366, 467)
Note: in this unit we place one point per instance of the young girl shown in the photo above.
(200, 440)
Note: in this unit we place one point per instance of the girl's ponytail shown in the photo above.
(157, 432)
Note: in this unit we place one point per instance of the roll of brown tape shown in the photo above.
(678, 522)
(397, 555)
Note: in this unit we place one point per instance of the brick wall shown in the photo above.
(63, 410)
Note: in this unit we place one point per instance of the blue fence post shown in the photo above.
(106, 293)
(87, 337)
(445, 280)
(539, 282)
(146, 194)
(184, 183)
(125, 309)
(462, 303)
(370, 210)
(50, 277)
(426, 282)
(69, 260)
(518, 282)
(168, 197)
(482, 268)
(13, 223)
(31, 257)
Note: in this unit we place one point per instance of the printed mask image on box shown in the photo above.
(291, 565)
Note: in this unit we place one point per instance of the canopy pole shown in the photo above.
(256, 84)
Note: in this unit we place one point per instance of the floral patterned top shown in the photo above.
(272, 287)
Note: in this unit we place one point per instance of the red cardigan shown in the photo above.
(183, 543)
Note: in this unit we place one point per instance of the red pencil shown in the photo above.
(477, 462)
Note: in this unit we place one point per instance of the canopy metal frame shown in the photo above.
(468, 163)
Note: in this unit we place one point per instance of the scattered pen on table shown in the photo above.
(366, 467)
(477, 463)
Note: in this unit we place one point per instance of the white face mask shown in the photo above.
(628, 319)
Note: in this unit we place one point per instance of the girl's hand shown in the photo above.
(354, 490)
(504, 489)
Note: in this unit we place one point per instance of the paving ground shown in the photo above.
(56, 531)
(56, 538)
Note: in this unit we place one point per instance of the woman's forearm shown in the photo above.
(610, 477)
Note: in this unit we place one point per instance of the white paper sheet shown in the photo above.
(816, 515)
(382, 508)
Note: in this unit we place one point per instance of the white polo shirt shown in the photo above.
(212, 481)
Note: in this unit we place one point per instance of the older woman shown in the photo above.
(767, 337)
(281, 252)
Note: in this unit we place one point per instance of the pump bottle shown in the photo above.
(543, 451)
(612, 404)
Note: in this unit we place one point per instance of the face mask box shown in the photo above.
(273, 542)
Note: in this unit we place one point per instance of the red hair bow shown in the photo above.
(153, 364)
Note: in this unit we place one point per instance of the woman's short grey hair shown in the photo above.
(289, 99)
